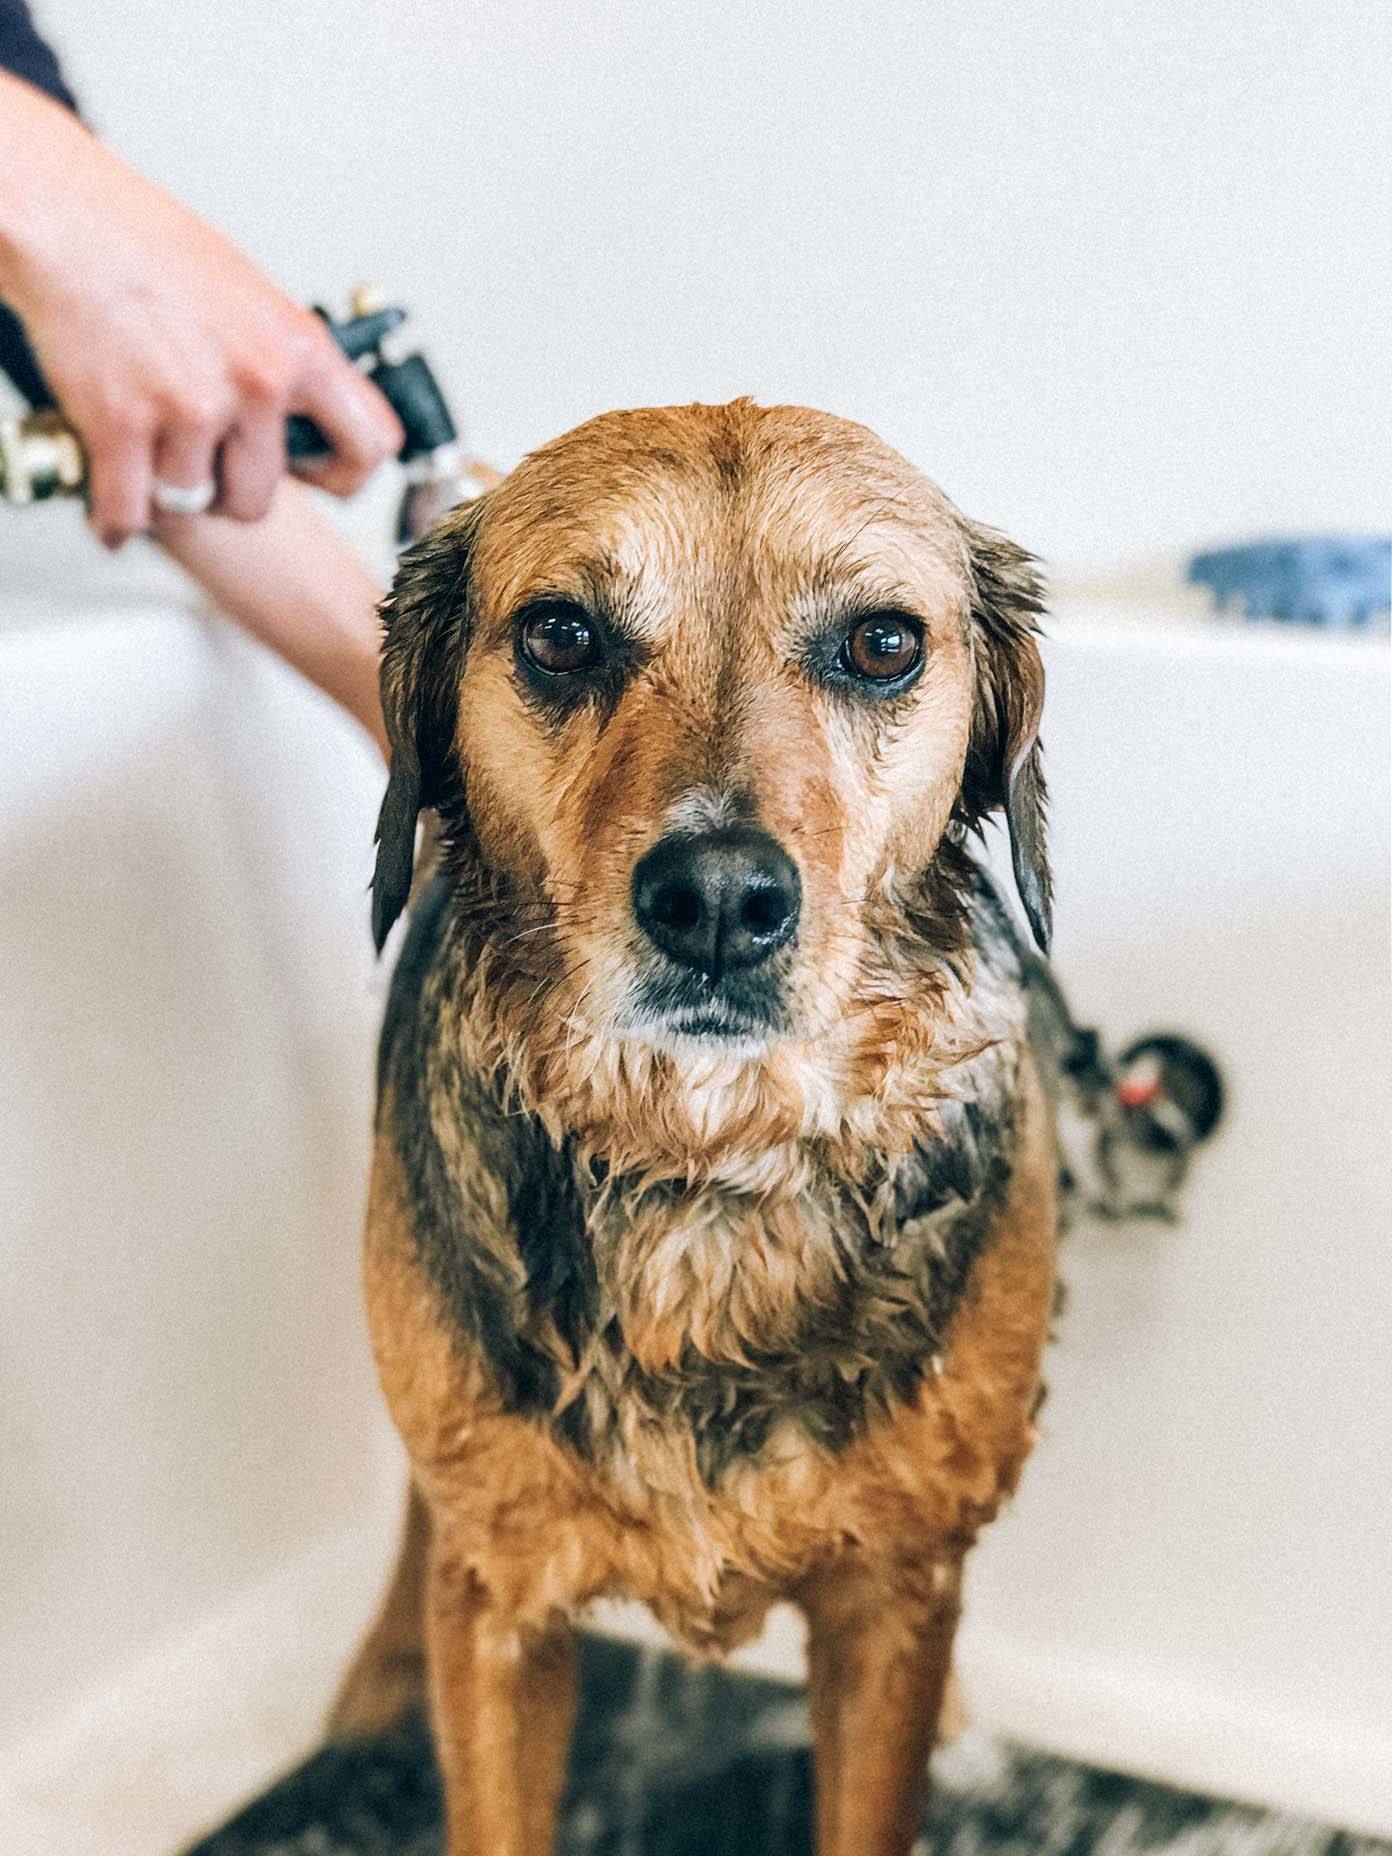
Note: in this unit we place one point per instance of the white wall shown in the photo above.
(1114, 274)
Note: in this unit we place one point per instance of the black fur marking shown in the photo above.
(427, 621)
(396, 845)
(902, 1284)
(429, 922)
(548, 1215)
(418, 1073)
(1004, 766)
(856, 1360)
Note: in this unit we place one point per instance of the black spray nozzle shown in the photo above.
(414, 394)
(363, 334)
(409, 388)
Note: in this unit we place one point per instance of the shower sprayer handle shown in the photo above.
(41, 456)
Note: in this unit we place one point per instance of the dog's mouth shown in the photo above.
(686, 1008)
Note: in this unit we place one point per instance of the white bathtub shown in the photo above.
(199, 1488)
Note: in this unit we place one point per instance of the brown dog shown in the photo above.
(710, 1246)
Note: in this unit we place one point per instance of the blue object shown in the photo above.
(1335, 580)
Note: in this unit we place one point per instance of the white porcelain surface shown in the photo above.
(187, 1008)
(1195, 1577)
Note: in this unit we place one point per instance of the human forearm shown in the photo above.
(38, 138)
(295, 584)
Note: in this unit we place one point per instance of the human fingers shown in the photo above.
(359, 425)
(251, 464)
(119, 475)
(185, 462)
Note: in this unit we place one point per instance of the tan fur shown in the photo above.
(721, 529)
(544, 1531)
(870, 1544)
(643, 501)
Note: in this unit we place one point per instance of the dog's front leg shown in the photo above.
(879, 1652)
(503, 1702)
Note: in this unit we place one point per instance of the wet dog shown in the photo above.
(710, 1243)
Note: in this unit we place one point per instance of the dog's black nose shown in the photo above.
(725, 899)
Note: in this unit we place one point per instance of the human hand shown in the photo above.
(173, 357)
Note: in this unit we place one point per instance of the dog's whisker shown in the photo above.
(526, 934)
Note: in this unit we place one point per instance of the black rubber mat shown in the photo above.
(674, 1761)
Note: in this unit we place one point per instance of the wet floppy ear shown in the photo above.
(1004, 768)
(426, 622)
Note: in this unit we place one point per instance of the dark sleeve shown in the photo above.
(24, 52)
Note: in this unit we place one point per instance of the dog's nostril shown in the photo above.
(674, 905)
(764, 910)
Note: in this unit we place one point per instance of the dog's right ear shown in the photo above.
(426, 620)
(1004, 769)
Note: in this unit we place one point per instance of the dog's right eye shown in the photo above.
(883, 648)
(560, 639)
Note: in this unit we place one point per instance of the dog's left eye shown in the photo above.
(883, 647)
(560, 639)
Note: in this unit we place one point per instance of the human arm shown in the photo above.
(294, 583)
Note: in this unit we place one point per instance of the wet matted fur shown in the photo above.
(705, 1287)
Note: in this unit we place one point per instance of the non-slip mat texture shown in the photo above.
(671, 1761)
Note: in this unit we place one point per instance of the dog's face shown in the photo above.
(711, 684)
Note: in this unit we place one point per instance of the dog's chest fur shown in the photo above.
(657, 1326)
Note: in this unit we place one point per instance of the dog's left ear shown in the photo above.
(426, 619)
(1004, 768)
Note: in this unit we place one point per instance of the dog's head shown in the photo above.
(706, 688)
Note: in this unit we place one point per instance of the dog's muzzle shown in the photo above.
(720, 902)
